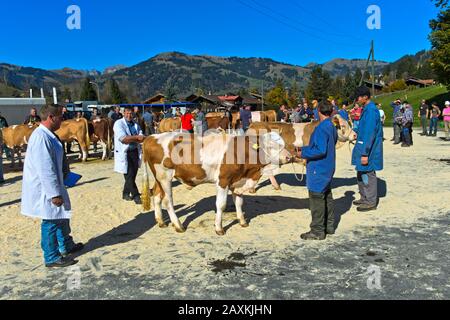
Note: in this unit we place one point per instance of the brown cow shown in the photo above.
(76, 130)
(271, 115)
(232, 163)
(170, 125)
(16, 137)
(219, 122)
(100, 131)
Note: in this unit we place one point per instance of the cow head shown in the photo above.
(274, 148)
(344, 130)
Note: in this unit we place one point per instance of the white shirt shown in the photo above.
(43, 177)
(382, 115)
(121, 130)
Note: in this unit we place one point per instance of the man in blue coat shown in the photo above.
(320, 168)
(368, 151)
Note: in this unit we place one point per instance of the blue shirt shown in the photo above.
(246, 116)
(148, 117)
(321, 157)
(316, 114)
(370, 140)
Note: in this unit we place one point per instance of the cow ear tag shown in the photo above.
(255, 147)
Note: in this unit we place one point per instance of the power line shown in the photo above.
(296, 22)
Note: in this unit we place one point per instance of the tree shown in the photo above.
(294, 95)
(319, 85)
(276, 96)
(88, 92)
(440, 41)
(66, 95)
(117, 97)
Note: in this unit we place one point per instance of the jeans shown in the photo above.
(130, 186)
(407, 134)
(368, 187)
(433, 126)
(322, 211)
(423, 121)
(397, 133)
(55, 239)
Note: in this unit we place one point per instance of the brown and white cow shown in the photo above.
(100, 131)
(76, 130)
(16, 137)
(230, 162)
(271, 115)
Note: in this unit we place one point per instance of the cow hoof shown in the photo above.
(252, 191)
(244, 224)
(277, 188)
(189, 188)
(220, 232)
(180, 229)
(162, 225)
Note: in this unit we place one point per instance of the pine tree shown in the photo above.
(294, 95)
(117, 97)
(439, 37)
(66, 95)
(88, 92)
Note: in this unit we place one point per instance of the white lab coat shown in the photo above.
(121, 130)
(43, 177)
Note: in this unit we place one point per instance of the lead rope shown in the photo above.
(296, 175)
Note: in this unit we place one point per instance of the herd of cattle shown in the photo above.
(101, 131)
(222, 159)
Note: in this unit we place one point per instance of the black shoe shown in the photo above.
(137, 200)
(127, 197)
(76, 248)
(330, 232)
(365, 207)
(312, 236)
(358, 202)
(396, 143)
(405, 146)
(62, 263)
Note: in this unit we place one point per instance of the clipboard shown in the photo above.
(72, 179)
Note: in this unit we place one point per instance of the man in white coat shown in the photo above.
(44, 195)
(128, 153)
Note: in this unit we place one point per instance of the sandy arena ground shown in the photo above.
(128, 257)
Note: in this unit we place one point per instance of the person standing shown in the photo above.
(423, 115)
(343, 111)
(382, 114)
(355, 114)
(446, 114)
(149, 122)
(367, 155)
(187, 121)
(246, 117)
(44, 194)
(4, 124)
(116, 115)
(397, 114)
(434, 119)
(32, 118)
(321, 165)
(281, 114)
(201, 119)
(128, 153)
(315, 105)
(407, 124)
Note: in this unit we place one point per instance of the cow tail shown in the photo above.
(88, 138)
(147, 193)
(109, 144)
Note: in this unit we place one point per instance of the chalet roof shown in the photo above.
(155, 98)
(426, 82)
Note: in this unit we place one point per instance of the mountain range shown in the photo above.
(181, 73)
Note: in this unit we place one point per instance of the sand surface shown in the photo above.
(127, 256)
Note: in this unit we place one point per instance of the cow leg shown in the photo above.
(166, 185)
(19, 155)
(239, 202)
(157, 200)
(104, 146)
(83, 152)
(221, 203)
(13, 152)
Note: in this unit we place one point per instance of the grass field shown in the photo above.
(431, 94)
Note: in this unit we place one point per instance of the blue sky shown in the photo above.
(34, 33)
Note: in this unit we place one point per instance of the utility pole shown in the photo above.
(262, 96)
(370, 58)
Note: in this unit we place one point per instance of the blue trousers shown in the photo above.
(55, 239)
(433, 126)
